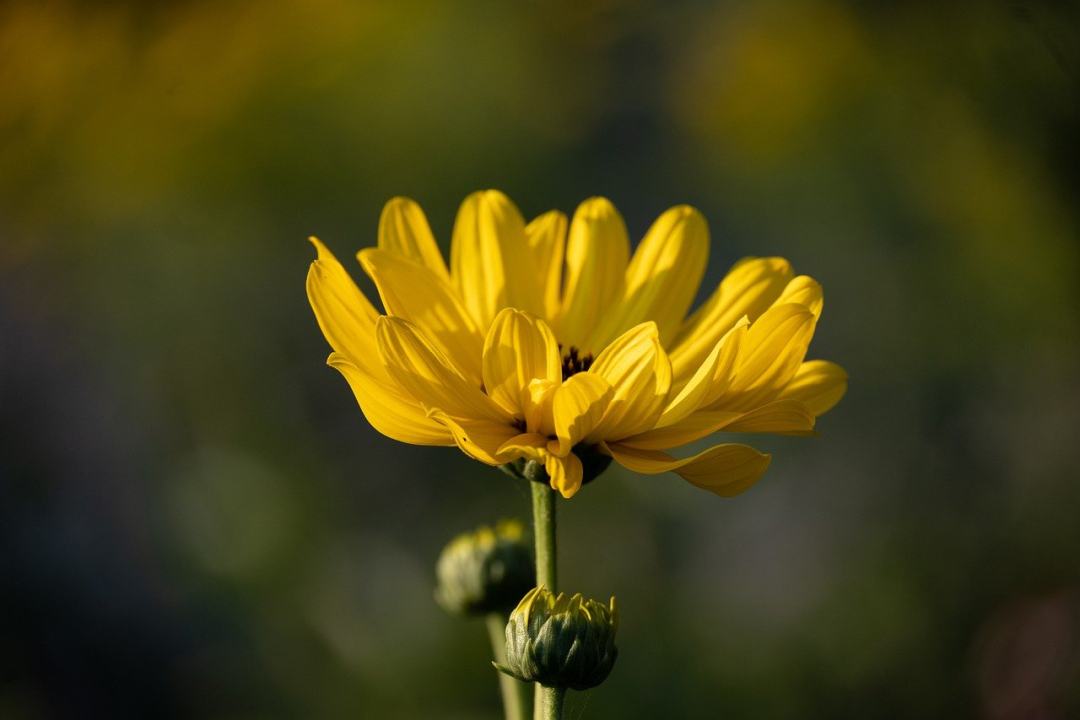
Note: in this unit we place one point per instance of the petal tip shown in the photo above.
(398, 202)
(368, 257)
(684, 211)
(596, 207)
(321, 251)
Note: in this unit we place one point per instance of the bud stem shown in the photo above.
(551, 702)
(548, 701)
(515, 694)
(543, 505)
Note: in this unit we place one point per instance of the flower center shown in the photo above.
(573, 361)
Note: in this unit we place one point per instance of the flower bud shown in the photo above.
(486, 570)
(561, 642)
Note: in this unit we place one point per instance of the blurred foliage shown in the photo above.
(196, 520)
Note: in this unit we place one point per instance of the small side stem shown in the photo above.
(515, 694)
(548, 702)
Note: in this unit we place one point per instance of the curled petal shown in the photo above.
(528, 445)
(780, 417)
(692, 427)
(726, 470)
(565, 472)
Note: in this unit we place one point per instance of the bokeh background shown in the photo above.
(197, 522)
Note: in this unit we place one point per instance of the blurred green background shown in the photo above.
(197, 522)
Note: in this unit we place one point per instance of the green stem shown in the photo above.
(551, 703)
(547, 703)
(515, 694)
(543, 505)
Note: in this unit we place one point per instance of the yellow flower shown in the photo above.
(549, 343)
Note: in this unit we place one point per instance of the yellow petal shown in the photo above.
(726, 470)
(769, 356)
(695, 426)
(780, 417)
(538, 407)
(709, 380)
(597, 251)
(804, 290)
(577, 407)
(388, 409)
(403, 229)
(663, 276)
(528, 445)
(819, 384)
(714, 414)
(518, 349)
(639, 372)
(479, 439)
(724, 372)
(749, 288)
(546, 236)
(345, 316)
(423, 372)
(565, 473)
(490, 260)
(417, 294)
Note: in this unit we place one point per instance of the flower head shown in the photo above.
(564, 641)
(549, 342)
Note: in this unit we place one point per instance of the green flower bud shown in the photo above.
(561, 642)
(485, 571)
